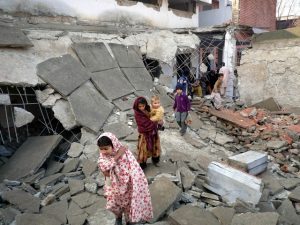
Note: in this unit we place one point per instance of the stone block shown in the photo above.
(251, 161)
(13, 38)
(51, 180)
(127, 56)
(89, 167)
(63, 112)
(70, 165)
(295, 195)
(22, 200)
(22, 117)
(38, 148)
(94, 56)
(112, 83)
(162, 200)
(119, 129)
(8, 215)
(267, 218)
(57, 210)
(75, 150)
(269, 104)
(4, 99)
(34, 219)
(85, 199)
(91, 110)
(53, 167)
(288, 213)
(76, 186)
(190, 215)
(63, 73)
(224, 214)
(101, 216)
(187, 178)
(124, 103)
(139, 78)
(231, 184)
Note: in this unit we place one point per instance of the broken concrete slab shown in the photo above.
(51, 180)
(124, 103)
(271, 183)
(39, 148)
(8, 215)
(249, 161)
(224, 214)
(57, 210)
(94, 56)
(295, 195)
(186, 215)
(288, 213)
(289, 183)
(267, 218)
(127, 56)
(75, 214)
(70, 165)
(231, 184)
(63, 112)
(75, 150)
(91, 152)
(51, 100)
(34, 219)
(76, 186)
(139, 78)
(112, 83)
(90, 109)
(89, 167)
(22, 117)
(187, 178)
(91, 210)
(87, 137)
(102, 216)
(162, 200)
(119, 129)
(222, 139)
(4, 99)
(63, 73)
(43, 95)
(85, 199)
(53, 167)
(13, 37)
(269, 104)
(22, 200)
(276, 144)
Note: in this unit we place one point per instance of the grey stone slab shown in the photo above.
(102, 216)
(53, 167)
(139, 78)
(85, 199)
(124, 104)
(94, 56)
(271, 183)
(91, 110)
(51, 180)
(100, 204)
(162, 200)
(288, 213)
(269, 104)
(38, 148)
(63, 73)
(295, 195)
(233, 184)
(63, 112)
(77, 219)
(89, 167)
(119, 129)
(70, 165)
(22, 117)
(75, 150)
(22, 200)
(127, 56)
(276, 144)
(74, 209)
(187, 178)
(188, 215)
(57, 210)
(267, 218)
(34, 219)
(8, 214)
(13, 37)
(224, 214)
(4, 99)
(248, 160)
(60, 189)
(112, 83)
(290, 183)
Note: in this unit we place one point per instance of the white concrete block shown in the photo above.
(248, 160)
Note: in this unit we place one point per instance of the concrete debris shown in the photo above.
(51, 100)
(39, 148)
(4, 99)
(268, 218)
(187, 178)
(75, 150)
(13, 38)
(231, 184)
(139, 78)
(224, 214)
(56, 71)
(251, 162)
(57, 211)
(288, 213)
(76, 186)
(162, 201)
(295, 195)
(120, 130)
(34, 219)
(87, 137)
(8, 215)
(96, 108)
(269, 104)
(53, 167)
(22, 117)
(42, 96)
(186, 215)
(70, 165)
(85, 199)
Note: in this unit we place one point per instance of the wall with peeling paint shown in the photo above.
(271, 69)
(103, 11)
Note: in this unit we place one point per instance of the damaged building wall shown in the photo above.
(271, 69)
(107, 11)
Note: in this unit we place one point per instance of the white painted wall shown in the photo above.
(103, 11)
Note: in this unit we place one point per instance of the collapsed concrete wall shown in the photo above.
(272, 69)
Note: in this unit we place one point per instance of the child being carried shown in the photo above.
(157, 112)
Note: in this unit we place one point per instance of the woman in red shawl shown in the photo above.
(148, 141)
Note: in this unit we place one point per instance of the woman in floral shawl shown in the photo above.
(148, 141)
(127, 192)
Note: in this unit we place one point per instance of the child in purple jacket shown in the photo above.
(181, 107)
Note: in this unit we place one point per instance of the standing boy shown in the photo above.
(181, 107)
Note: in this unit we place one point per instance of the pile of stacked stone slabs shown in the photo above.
(90, 108)
(131, 63)
(251, 162)
(63, 73)
(14, 38)
(29, 157)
